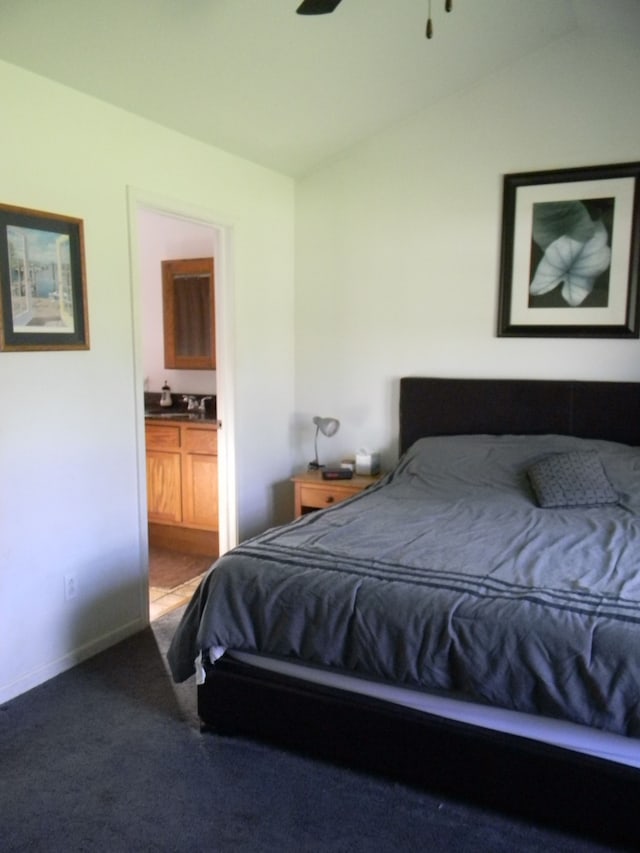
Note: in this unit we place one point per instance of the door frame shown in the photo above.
(222, 235)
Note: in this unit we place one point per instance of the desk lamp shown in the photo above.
(328, 427)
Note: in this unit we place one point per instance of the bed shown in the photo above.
(443, 627)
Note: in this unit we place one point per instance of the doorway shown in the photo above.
(158, 228)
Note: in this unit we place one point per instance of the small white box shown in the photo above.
(367, 463)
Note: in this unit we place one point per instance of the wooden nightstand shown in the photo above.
(312, 492)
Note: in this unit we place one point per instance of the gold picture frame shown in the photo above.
(43, 300)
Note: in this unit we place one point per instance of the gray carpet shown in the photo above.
(109, 757)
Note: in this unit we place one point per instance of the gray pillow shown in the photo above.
(576, 478)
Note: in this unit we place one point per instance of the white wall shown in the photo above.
(397, 242)
(397, 248)
(71, 433)
(162, 238)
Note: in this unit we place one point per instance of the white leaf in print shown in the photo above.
(575, 264)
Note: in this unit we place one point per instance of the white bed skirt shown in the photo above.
(612, 747)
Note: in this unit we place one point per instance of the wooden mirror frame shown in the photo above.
(188, 308)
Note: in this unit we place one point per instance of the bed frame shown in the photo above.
(512, 774)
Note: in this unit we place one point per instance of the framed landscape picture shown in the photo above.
(569, 259)
(43, 304)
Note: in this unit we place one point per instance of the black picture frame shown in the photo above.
(569, 253)
(43, 301)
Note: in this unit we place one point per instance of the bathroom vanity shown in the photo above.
(182, 483)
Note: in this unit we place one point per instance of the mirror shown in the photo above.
(188, 309)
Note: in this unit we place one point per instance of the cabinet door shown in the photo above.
(200, 490)
(164, 487)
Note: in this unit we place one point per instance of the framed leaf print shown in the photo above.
(43, 303)
(570, 250)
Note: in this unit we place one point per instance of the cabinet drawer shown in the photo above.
(200, 440)
(319, 498)
(162, 437)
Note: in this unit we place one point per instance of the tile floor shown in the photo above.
(162, 600)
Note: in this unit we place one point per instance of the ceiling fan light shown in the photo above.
(325, 7)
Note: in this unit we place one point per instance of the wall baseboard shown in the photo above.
(51, 669)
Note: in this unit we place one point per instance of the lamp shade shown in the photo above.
(326, 426)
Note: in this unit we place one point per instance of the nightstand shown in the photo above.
(312, 492)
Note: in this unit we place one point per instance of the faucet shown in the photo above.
(201, 407)
(192, 403)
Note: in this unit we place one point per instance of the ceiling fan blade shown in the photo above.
(317, 7)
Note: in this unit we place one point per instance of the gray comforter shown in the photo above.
(448, 577)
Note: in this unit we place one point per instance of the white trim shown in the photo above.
(138, 199)
(39, 675)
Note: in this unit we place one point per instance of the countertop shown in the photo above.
(167, 415)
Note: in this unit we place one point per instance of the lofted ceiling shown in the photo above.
(286, 91)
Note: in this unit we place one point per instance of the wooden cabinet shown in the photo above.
(200, 478)
(164, 474)
(164, 487)
(313, 492)
(182, 485)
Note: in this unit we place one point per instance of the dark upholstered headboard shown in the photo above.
(430, 406)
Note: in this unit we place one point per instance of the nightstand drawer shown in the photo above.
(325, 496)
(312, 491)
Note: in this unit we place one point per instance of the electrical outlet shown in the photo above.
(70, 587)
